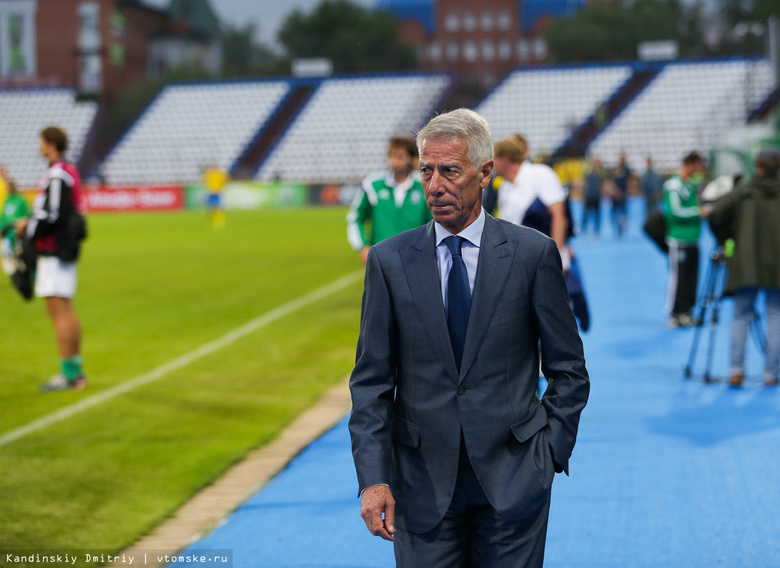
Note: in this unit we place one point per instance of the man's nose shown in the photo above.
(435, 185)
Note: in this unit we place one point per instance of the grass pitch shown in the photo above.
(153, 287)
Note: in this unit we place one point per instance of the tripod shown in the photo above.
(717, 274)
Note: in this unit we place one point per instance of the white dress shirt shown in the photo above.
(472, 236)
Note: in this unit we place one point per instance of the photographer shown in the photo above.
(751, 216)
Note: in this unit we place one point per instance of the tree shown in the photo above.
(746, 24)
(354, 38)
(601, 32)
(243, 57)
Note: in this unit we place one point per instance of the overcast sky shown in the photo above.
(267, 15)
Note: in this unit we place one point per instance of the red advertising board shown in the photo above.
(133, 198)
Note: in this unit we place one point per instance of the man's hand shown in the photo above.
(20, 225)
(378, 511)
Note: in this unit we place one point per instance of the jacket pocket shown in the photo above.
(406, 433)
(524, 429)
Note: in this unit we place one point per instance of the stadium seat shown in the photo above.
(545, 105)
(689, 106)
(25, 112)
(191, 126)
(341, 134)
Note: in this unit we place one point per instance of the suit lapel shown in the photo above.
(422, 275)
(495, 261)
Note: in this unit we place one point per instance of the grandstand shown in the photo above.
(547, 105)
(341, 135)
(335, 130)
(25, 112)
(689, 106)
(190, 126)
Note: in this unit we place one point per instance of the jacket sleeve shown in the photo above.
(46, 212)
(372, 383)
(673, 202)
(563, 360)
(359, 214)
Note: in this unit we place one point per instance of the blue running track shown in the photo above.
(667, 471)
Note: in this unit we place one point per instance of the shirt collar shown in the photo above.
(472, 233)
(404, 185)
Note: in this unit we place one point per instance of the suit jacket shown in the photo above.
(411, 404)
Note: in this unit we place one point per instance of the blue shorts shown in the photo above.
(213, 200)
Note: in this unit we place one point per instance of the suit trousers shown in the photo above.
(473, 535)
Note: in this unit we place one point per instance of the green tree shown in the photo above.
(242, 56)
(746, 24)
(601, 32)
(354, 38)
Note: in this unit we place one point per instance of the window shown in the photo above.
(488, 50)
(469, 22)
(523, 50)
(470, 52)
(505, 50)
(540, 49)
(504, 20)
(434, 51)
(451, 23)
(17, 32)
(487, 21)
(453, 51)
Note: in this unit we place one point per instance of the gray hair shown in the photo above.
(464, 125)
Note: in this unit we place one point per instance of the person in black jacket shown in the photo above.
(750, 215)
(56, 228)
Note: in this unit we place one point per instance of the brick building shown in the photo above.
(101, 46)
(481, 40)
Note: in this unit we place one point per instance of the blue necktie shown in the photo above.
(458, 298)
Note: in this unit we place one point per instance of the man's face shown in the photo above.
(399, 161)
(46, 149)
(694, 168)
(501, 165)
(453, 189)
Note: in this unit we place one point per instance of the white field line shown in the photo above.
(182, 361)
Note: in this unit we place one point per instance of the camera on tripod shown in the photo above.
(717, 276)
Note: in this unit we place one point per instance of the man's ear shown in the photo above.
(486, 170)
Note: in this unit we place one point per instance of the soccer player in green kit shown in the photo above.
(14, 209)
(388, 202)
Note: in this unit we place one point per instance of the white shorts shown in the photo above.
(55, 278)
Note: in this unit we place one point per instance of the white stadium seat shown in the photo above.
(24, 113)
(341, 134)
(546, 104)
(189, 127)
(689, 106)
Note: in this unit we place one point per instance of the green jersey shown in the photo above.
(387, 207)
(683, 221)
(14, 208)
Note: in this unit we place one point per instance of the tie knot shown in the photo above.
(454, 243)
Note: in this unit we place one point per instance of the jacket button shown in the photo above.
(461, 390)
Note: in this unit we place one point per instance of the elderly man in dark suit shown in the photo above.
(455, 452)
